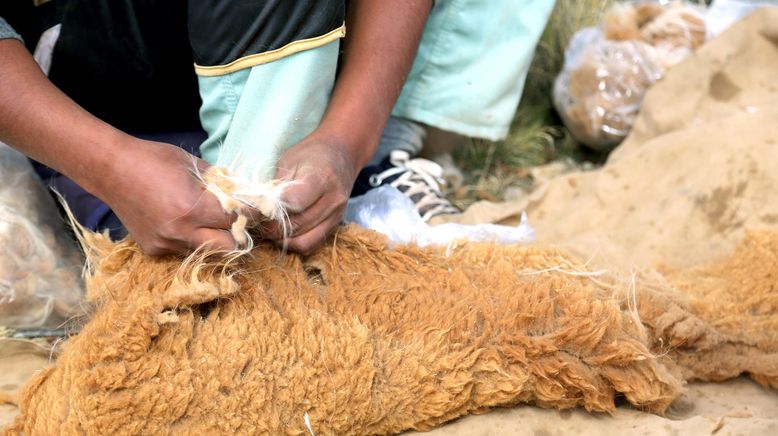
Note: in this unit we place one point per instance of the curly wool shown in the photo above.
(358, 339)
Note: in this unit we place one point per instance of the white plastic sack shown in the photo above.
(724, 13)
(40, 282)
(389, 211)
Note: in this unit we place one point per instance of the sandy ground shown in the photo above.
(19, 360)
(737, 407)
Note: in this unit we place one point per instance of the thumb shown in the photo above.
(213, 239)
(303, 194)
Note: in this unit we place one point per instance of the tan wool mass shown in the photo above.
(360, 339)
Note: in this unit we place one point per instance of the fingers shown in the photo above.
(212, 240)
(207, 210)
(165, 207)
(307, 242)
(312, 201)
(210, 214)
(303, 195)
(301, 223)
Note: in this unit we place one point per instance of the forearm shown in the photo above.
(149, 185)
(39, 120)
(379, 50)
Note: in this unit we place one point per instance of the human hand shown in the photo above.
(156, 195)
(325, 171)
(149, 185)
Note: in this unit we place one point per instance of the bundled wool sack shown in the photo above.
(608, 70)
(674, 30)
(361, 339)
(40, 283)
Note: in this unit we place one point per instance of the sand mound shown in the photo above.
(700, 166)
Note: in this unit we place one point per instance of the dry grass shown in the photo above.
(537, 135)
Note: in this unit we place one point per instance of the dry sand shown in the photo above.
(19, 360)
(737, 407)
(700, 167)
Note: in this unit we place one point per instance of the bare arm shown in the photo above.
(148, 184)
(42, 122)
(378, 53)
(380, 47)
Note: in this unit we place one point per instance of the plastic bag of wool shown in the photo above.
(362, 339)
(39, 266)
(608, 69)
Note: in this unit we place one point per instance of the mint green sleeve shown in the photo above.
(8, 32)
(252, 116)
(469, 73)
(467, 78)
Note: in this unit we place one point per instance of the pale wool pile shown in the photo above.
(39, 266)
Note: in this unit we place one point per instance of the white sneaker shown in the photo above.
(419, 179)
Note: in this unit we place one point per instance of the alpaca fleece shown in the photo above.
(737, 299)
(363, 339)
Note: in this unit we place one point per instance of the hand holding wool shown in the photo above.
(156, 195)
(325, 172)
